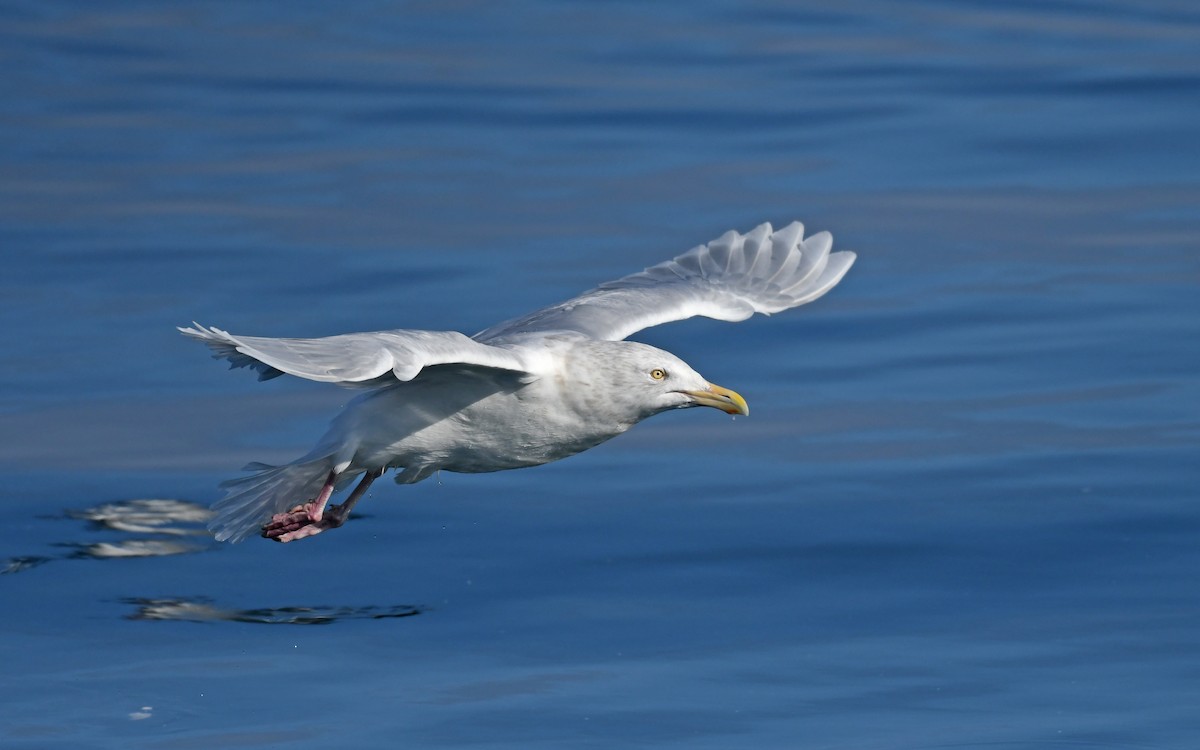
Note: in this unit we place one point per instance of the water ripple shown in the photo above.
(163, 527)
(202, 609)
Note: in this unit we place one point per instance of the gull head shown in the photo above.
(642, 381)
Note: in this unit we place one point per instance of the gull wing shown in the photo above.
(730, 278)
(355, 358)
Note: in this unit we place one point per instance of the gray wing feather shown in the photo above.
(355, 357)
(730, 278)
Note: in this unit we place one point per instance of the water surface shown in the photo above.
(962, 515)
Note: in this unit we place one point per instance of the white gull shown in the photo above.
(521, 393)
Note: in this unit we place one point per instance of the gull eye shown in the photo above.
(658, 373)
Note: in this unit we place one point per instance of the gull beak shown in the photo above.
(720, 398)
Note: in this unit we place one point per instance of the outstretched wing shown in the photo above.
(355, 357)
(730, 278)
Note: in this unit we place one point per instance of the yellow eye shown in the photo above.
(658, 373)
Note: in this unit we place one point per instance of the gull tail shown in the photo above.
(250, 501)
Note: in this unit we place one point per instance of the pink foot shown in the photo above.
(315, 516)
(297, 517)
(304, 521)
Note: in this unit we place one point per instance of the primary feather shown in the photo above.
(730, 278)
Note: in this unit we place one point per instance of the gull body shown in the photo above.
(523, 393)
(454, 419)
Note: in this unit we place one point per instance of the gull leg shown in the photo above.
(328, 518)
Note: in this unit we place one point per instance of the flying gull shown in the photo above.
(522, 393)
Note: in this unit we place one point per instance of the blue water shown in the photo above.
(963, 514)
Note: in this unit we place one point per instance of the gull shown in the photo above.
(524, 392)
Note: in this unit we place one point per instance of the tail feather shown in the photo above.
(250, 501)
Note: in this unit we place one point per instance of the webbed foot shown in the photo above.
(299, 522)
(315, 516)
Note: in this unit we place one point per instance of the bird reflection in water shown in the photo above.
(163, 527)
(203, 610)
(170, 517)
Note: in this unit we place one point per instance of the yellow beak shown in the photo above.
(720, 398)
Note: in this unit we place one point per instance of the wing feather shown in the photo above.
(355, 357)
(730, 278)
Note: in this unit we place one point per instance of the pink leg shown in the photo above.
(312, 518)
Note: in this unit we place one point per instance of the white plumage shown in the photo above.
(524, 392)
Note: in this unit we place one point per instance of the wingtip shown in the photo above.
(210, 334)
(836, 267)
(196, 330)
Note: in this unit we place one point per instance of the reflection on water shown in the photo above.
(162, 528)
(177, 517)
(154, 517)
(18, 564)
(201, 609)
(134, 548)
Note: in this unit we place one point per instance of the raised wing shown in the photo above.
(730, 278)
(355, 357)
